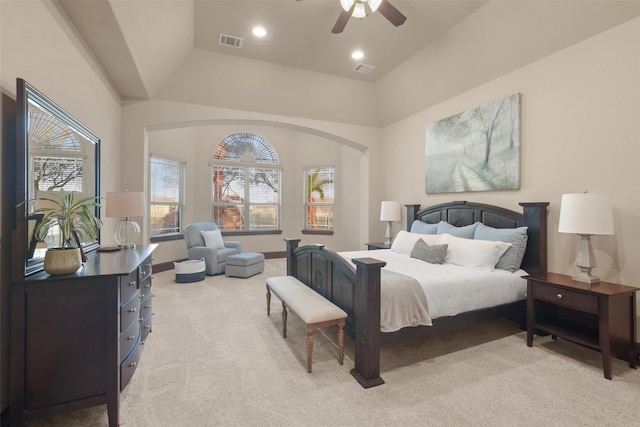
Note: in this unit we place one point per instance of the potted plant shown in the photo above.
(75, 219)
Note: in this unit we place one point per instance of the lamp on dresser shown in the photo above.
(585, 214)
(126, 205)
(390, 212)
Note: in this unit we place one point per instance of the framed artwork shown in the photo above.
(477, 150)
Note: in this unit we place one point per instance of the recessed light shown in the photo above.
(357, 54)
(259, 31)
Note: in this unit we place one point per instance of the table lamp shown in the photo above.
(126, 205)
(585, 214)
(390, 212)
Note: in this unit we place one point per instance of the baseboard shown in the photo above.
(166, 266)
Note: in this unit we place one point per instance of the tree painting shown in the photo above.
(477, 150)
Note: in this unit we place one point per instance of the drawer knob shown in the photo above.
(132, 310)
(148, 285)
(147, 327)
(131, 337)
(133, 364)
(559, 296)
(147, 306)
(132, 283)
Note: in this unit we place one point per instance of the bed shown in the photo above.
(355, 286)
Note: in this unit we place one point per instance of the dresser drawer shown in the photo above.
(145, 269)
(129, 366)
(128, 339)
(145, 328)
(566, 298)
(128, 286)
(129, 313)
(146, 307)
(145, 288)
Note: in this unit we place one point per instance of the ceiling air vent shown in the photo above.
(364, 68)
(230, 41)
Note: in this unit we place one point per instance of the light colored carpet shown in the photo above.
(215, 358)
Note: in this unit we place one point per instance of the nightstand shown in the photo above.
(600, 316)
(375, 246)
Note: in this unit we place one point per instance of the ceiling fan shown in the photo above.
(356, 8)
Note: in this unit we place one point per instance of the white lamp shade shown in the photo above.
(586, 213)
(390, 211)
(125, 204)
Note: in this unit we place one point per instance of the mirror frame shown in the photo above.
(22, 264)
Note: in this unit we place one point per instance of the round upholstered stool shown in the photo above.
(245, 264)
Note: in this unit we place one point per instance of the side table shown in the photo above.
(601, 316)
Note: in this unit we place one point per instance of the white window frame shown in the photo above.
(180, 205)
(308, 204)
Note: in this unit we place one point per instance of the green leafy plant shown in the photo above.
(75, 217)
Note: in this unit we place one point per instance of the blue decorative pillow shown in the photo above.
(512, 258)
(424, 228)
(466, 232)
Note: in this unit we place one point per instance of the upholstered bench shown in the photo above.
(314, 310)
(245, 264)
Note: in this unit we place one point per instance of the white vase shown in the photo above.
(58, 261)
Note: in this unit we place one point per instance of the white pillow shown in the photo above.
(481, 254)
(213, 239)
(405, 241)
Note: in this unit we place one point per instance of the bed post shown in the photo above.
(535, 216)
(411, 214)
(292, 244)
(366, 308)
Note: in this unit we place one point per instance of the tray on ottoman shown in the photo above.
(245, 264)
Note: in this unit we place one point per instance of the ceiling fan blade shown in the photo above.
(391, 13)
(341, 22)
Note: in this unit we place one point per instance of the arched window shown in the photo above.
(245, 184)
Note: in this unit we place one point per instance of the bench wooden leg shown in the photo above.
(341, 341)
(309, 347)
(284, 320)
(268, 301)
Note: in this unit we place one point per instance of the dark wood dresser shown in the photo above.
(76, 340)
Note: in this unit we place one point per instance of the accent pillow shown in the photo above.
(481, 254)
(466, 232)
(405, 241)
(213, 239)
(424, 228)
(434, 254)
(511, 259)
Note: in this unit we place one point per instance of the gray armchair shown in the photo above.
(214, 258)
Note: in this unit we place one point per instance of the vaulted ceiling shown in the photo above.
(141, 43)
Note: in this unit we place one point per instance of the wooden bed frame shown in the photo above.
(357, 291)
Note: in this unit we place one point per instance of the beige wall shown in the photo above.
(580, 130)
(190, 132)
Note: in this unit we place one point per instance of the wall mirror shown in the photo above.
(55, 154)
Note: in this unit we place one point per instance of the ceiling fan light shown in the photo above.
(374, 4)
(346, 4)
(359, 11)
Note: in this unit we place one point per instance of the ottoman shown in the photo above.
(245, 264)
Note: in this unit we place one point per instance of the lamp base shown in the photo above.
(126, 233)
(585, 261)
(585, 277)
(387, 235)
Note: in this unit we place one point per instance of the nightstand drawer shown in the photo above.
(566, 298)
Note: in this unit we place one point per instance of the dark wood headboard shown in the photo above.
(533, 216)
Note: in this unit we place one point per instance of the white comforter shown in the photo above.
(452, 289)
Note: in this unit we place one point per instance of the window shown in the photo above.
(167, 189)
(56, 174)
(245, 184)
(319, 197)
